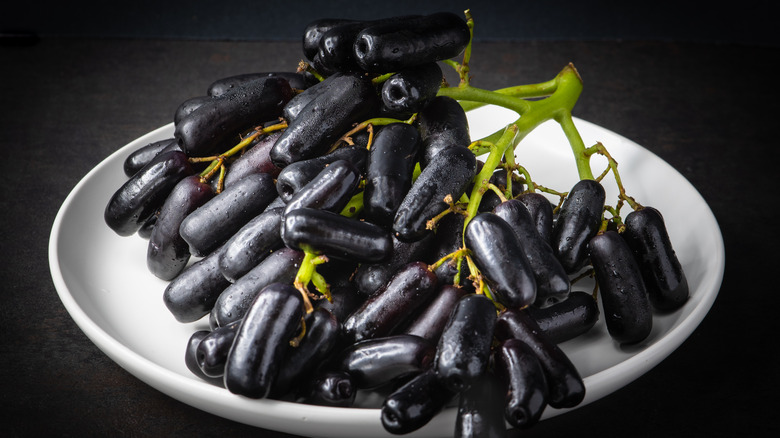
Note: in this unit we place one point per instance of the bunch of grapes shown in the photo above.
(336, 228)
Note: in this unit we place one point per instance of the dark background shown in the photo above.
(748, 22)
(695, 83)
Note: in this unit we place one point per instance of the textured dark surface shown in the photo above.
(707, 109)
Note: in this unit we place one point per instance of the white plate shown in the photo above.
(104, 284)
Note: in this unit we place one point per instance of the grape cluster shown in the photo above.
(436, 277)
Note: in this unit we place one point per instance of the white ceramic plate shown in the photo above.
(104, 284)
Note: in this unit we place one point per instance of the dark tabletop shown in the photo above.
(710, 110)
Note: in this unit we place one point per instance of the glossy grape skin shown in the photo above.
(213, 350)
(345, 298)
(411, 89)
(662, 272)
(192, 294)
(235, 299)
(217, 123)
(396, 45)
(541, 211)
(226, 85)
(391, 161)
(552, 281)
(565, 386)
(369, 277)
(255, 159)
(517, 366)
(191, 356)
(328, 388)
(480, 410)
(319, 340)
(378, 361)
(216, 221)
(314, 31)
(295, 176)
(450, 174)
(500, 257)
(578, 221)
(335, 47)
(145, 232)
(143, 155)
(442, 123)
(430, 323)
(567, 319)
(349, 99)
(408, 289)
(330, 190)
(463, 349)
(145, 192)
(167, 253)
(624, 298)
(414, 404)
(251, 244)
(329, 233)
(188, 106)
(299, 101)
(262, 340)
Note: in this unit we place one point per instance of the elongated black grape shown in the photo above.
(627, 309)
(143, 155)
(430, 323)
(213, 349)
(552, 281)
(414, 404)
(255, 159)
(319, 340)
(191, 356)
(299, 101)
(411, 89)
(396, 45)
(500, 257)
(262, 340)
(567, 319)
(345, 297)
(192, 294)
(217, 220)
(578, 221)
(378, 361)
(336, 46)
(391, 163)
(251, 244)
(408, 289)
(167, 253)
(218, 122)
(235, 299)
(517, 366)
(330, 190)
(662, 272)
(481, 410)
(350, 99)
(369, 277)
(463, 349)
(188, 106)
(442, 124)
(541, 211)
(565, 386)
(295, 176)
(325, 232)
(314, 31)
(328, 388)
(300, 81)
(450, 174)
(145, 192)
